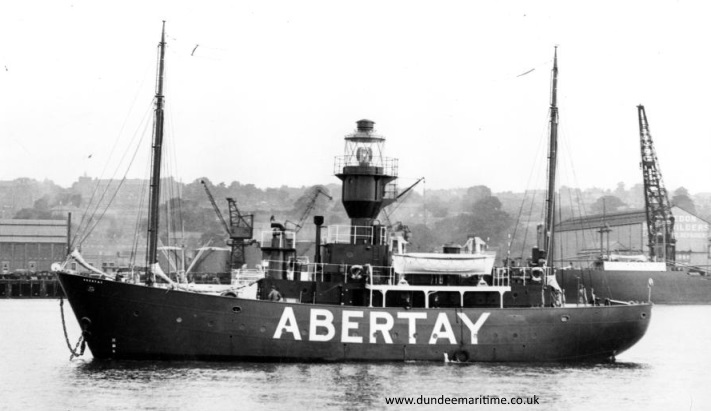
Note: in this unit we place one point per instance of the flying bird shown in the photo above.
(523, 74)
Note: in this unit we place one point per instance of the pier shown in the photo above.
(41, 286)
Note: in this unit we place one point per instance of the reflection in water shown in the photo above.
(349, 386)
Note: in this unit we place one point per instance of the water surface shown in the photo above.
(666, 370)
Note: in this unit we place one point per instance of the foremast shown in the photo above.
(154, 190)
(552, 162)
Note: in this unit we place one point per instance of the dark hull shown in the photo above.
(670, 287)
(126, 321)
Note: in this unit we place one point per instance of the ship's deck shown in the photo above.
(432, 289)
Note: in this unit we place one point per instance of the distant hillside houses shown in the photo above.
(424, 209)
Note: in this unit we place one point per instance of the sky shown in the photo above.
(263, 92)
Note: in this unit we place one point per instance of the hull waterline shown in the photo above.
(669, 287)
(127, 321)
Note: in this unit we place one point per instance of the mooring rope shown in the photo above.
(81, 341)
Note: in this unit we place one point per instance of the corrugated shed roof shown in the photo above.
(612, 220)
(597, 221)
(33, 231)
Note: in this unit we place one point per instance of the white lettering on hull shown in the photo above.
(321, 319)
(322, 328)
(347, 325)
(473, 327)
(442, 329)
(287, 323)
(384, 327)
(412, 318)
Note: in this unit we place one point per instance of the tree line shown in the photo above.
(434, 219)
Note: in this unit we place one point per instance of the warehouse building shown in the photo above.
(581, 240)
(31, 246)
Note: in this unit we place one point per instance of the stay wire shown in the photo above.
(139, 218)
(111, 152)
(534, 175)
(115, 193)
(91, 223)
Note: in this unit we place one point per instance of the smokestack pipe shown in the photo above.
(318, 220)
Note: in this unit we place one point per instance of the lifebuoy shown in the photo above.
(356, 272)
(536, 274)
(229, 294)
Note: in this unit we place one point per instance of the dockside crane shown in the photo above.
(310, 206)
(660, 221)
(386, 215)
(239, 230)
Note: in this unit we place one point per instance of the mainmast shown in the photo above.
(552, 160)
(154, 195)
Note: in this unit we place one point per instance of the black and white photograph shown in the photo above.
(373, 205)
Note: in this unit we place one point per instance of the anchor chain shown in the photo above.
(81, 342)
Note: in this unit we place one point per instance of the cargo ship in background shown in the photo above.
(626, 275)
(361, 298)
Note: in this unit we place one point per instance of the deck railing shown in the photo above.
(527, 275)
(380, 165)
(306, 271)
(347, 234)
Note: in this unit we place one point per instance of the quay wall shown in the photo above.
(30, 288)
